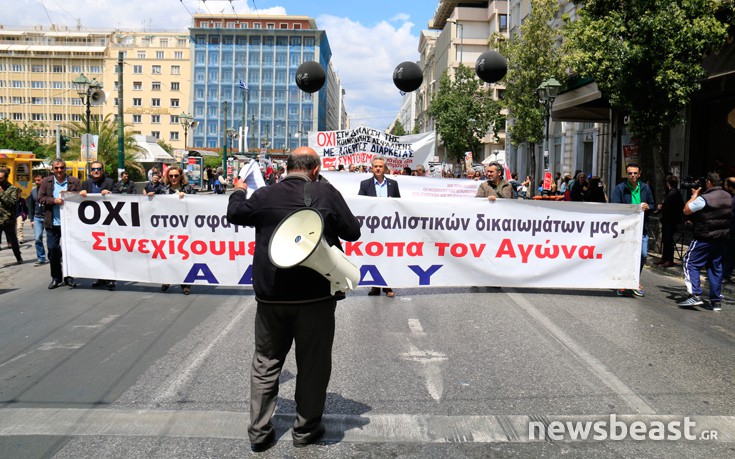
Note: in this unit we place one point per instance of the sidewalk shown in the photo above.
(678, 271)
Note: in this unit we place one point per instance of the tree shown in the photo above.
(107, 130)
(464, 111)
(645, 56)
(20, 137)
(168, 148)
(398, 128)
(532, 59)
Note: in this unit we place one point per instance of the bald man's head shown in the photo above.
(304, 160)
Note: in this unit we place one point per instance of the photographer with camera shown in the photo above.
(710, 211)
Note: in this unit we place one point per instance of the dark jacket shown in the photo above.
(105, 184)
(265, 209)
(672, 207)
(621, 195)
(367, 188)
(713, 222)
(34, 206)
(46, 196)
(124, 187)
(186, 189)
(150, 187)
(8, 203)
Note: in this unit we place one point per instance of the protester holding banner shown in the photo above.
(175, 183)
(635, 191)
(294, 304)
(495, 186)
(98, 183)
(50, 195)
(380, 186)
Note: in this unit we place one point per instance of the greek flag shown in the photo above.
(243, 85)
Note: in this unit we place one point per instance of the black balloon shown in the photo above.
(407, 76)
(491, 66)
(310, 76)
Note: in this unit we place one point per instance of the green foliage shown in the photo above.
(416, 129)
(63, 143)
(107, 129)
(398, 128)
(20, 137)
(167, 147)
(532, 59)
(645, 55)
(464, 111)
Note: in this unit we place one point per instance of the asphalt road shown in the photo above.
(435, 373)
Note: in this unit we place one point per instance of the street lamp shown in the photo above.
(547, 92)
(91, 94)
(187, 122)
(232, 135)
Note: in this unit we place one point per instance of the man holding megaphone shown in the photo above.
(295, 303)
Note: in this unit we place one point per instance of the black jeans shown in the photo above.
(667, 238)
(53, 244)
(12, 237)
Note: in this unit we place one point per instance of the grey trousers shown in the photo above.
(277, 326)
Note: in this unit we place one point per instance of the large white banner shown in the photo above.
(348, 183)
(359, 146)
(415, 242)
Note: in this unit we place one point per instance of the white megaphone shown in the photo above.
(298, 241)
(97, 97)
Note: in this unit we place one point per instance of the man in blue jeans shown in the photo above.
(633, 191)
(35, 215)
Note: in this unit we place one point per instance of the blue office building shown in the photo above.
(263, 52)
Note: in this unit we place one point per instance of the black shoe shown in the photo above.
(19, 261)
(164, 287)
(99, 283)
(111, 285)
(374, 291)
(54, 284)
(70, 281)
(265, 445)
(186, 290)
(313, 438)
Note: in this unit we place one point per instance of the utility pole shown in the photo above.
(224, 142)
(120, 121)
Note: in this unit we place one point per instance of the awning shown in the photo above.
(151, 152)
(193, 152)
(582, 104)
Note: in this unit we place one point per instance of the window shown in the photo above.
(37, 68)
(117, 86)
(155, 102)
(175, 86)
(155, 119)
(38, 116)
(76, 69)
(270, 25)
(58, 69)
(95, 69)
(175, 70)
(174, 102)
(256, 25)
(137, 102)
(18, 84)
(156, 70)
(18, 68)
(58, 85)
(178, 54)
(137, 119)
(156, 134)
(141, 54)
(18, 100)
(174, 135)
(163, 42)
(156, 86)
(58, 117)
(181, 42)
(58, 101)
(137, 85)
(38, 100)
(159, 54)
(230, 25)
(174, 119)
(296, 26)
(137, 69)
(76, 117)
(116, 101)
(17, 116)
(503, 20)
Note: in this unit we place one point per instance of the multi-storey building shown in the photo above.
(37, 66)
(264, 53)
(156, 82)
(461, 32)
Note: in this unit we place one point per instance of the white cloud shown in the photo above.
(365, 58)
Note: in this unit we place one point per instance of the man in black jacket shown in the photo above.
(671, 211)
(294, 304)
(98, 183)
(125, 185)
(710, 212)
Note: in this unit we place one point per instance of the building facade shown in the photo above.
(264, 53)
(37, 67)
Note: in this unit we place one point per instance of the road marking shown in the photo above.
(197, 358)
(55, 345)
(415, 326)
(608, 378)
(104, 321)
(13, 359)
(368, 428)
(429, 361)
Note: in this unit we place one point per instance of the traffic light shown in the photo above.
(63, 147)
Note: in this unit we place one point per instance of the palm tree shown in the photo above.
(107, 130)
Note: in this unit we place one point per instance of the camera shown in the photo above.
(689, 183)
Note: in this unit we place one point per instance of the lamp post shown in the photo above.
(547, 92)
(187, 122)
(232, 135)
(87, 90)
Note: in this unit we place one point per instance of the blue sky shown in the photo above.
(368, 37)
